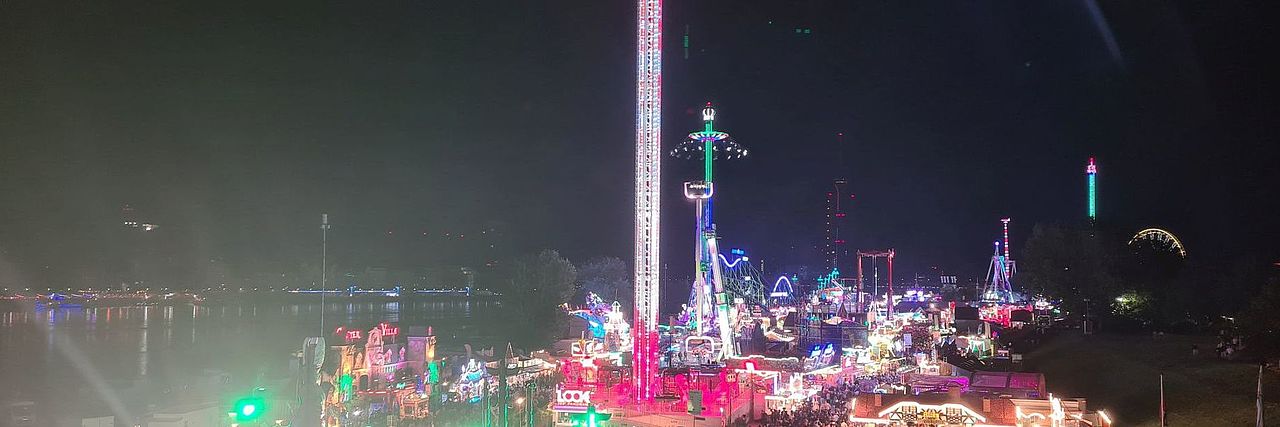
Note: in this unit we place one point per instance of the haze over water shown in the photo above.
(155, 354)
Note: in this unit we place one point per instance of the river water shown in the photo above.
(143, 357)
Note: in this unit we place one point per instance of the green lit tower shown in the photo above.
(1092, 171)
(708, 296)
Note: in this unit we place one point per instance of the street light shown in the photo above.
(529, 389)
(591, 418)
(249, 409)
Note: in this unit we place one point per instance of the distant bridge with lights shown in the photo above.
(398, 292)
(85, 298)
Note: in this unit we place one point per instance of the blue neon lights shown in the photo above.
(775, 293)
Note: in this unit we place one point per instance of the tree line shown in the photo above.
(535, 287)
(1142, 286)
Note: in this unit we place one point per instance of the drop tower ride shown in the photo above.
(1092, 172)
(648, 197)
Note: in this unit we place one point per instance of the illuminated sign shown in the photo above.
(584, 348)
(353, 335)
(573, 397)
(950, 413)
(820, 356)
(379, 333)
(388, 330)
(572, 401)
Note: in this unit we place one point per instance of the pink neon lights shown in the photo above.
(388, 330)
(1092, 168)
(1005, 221)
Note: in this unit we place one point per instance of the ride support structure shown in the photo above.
(887, 254)
(998, 288)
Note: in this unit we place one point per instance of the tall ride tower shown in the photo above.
(709, 299)
(648, 197)
(835, 249)
(1009, 264)
(1092, 171)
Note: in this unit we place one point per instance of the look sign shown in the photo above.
(573, 397)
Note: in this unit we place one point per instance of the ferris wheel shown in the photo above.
(1159, 239)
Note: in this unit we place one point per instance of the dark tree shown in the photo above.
(609, 278)
(532, 296)
(1069, 262)
(1260, 323)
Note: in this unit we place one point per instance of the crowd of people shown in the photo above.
(828, 408)
(1228, 344)
(870, 383)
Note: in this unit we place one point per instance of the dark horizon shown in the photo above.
(234, 125)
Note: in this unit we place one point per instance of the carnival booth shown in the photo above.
(376, 370)
(787, 383)
(956, 410)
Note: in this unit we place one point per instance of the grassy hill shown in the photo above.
(1120, 373)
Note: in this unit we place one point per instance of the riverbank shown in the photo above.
(1120, 373)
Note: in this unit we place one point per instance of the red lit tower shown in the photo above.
(836, 248)
(835, 243)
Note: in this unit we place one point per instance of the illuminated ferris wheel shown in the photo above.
(1158, 239)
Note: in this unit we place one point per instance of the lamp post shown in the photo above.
(1086, 326)
(324, 264)
(530, 398)
(751, 404)
(728, 416)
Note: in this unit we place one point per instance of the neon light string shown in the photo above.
(775, 292)
(729, 264)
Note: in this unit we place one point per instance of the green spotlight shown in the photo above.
(249, 409)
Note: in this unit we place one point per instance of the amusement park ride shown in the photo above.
(836, 244)
(875, 276)
(998, 286)
(733, 338)
(1158, 239)
(648, 195)
(831, 333)
(709, 301)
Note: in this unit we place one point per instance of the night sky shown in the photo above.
(234, 124)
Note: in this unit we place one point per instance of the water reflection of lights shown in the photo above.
(143, 357)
